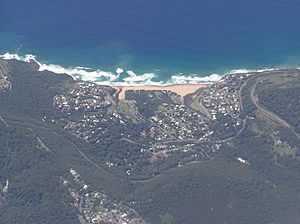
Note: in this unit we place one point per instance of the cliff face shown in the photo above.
(5, 85)
(3, 67)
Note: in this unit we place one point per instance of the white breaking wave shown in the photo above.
(119, 70)
(82, 74)
(79, 72)
(87, 74)
(86, 68)
(133, 78)
(246, 71)
(113, 78)
(182, 79)
(8, 56)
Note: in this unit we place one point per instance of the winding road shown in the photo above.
(263, 111)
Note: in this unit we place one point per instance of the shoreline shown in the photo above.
(112, 78)
(180, 89)
(180, 83)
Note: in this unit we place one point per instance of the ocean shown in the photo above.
(152, 42)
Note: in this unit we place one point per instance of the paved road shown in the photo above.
(4, 121)
(253, 96)
(42, 144)
(47, 148)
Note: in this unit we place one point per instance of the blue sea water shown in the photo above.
(165, 37)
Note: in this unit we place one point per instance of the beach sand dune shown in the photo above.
(181, 89)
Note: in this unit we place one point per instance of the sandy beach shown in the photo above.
(181, 89)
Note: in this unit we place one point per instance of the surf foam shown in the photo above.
(246, 71)
(183, 79)
(113, 78)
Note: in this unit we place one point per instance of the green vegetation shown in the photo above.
(32, 92)
(34, 192)
(285, 150)
(196, 105)
(167, 219)
(123, 107)
(281, 96)
(218, 191)
(36, 153)
(148, 104)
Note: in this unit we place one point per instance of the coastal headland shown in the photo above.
(181, 89)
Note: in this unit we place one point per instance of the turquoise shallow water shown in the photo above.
(166, 38)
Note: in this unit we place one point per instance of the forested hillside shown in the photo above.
(72, 153)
